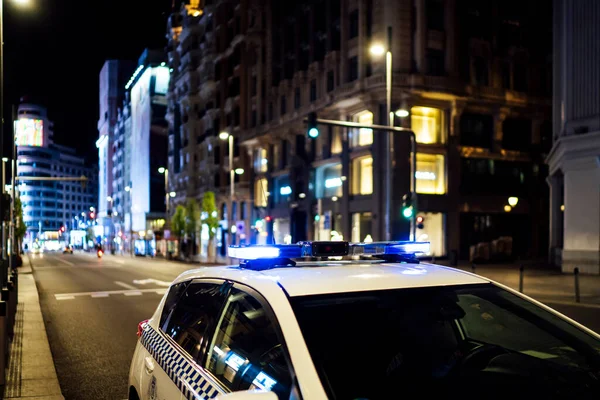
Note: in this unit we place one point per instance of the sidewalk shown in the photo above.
(31, 374)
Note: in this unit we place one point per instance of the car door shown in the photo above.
(247, 350)
(187, 322)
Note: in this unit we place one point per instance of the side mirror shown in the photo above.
(248, 395)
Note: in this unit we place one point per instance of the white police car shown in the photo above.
(379, 325)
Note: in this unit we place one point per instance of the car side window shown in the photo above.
(171, 301)
(246, 351)
(196, 311)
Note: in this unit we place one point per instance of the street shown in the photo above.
(91, 308)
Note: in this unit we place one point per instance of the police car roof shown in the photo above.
(311, 278)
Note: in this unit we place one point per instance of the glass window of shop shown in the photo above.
(427, 123)
(433, 232)
(362, 136)
(431, 174)
(362, 227)
(329, 181)
(283, 190)
(362, 175)
(261, 188)
(260, 160)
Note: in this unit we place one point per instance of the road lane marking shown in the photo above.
(125, 285)
(106, 293)
(69, 263)
(148, 281)
(120, 261)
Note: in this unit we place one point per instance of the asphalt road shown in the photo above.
(92, 333)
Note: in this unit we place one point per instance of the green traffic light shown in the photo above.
(313, 133)
(407, 212)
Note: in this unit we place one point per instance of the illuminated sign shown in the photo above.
(29, 132)
(162, 75)
(333, 182)
(428, 176)
(285, 190)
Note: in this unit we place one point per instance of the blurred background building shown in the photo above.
(575, 158)
(52, 210)
(471, 78)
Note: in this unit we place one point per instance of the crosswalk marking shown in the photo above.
(125, 285)
(133, 293)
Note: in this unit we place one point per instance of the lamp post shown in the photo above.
(129, 190)
(229, 138)
(110, 200)
(379, 50)
(165, 171)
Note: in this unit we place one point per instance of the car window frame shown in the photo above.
(294, 384)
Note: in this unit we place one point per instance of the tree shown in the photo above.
(209, 208)
(192, 217)
(178, 224)
(21, 228)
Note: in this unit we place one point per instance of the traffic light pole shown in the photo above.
(389, 172)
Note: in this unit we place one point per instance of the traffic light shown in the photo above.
(420, 221)
(407, 206)
(313, 128)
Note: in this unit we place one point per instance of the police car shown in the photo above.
(319, 320)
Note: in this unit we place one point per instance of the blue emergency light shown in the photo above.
(284, 253)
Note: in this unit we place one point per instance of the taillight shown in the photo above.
(141, 327)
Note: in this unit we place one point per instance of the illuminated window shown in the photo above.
(261, 188)
(433, 232)
(362, 175)
(329, 181)
(426, 122)
(362, 136)
(430, 174)
(362, 226)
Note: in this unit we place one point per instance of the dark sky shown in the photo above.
(54, 50)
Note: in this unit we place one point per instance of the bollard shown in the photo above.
(12, 309)
(5, 297)
(521, 273)
(576, 273)
(4, 344)
(473, 267)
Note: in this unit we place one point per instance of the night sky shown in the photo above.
(54, 50)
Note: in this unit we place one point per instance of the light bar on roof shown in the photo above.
(253, 252)
(389, 248)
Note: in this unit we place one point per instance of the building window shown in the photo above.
(426, 122)
(362, 175)
(433, 232)
(516, 134)
(353, 69)
(329, 181)
(476, 130)
(330, 81)
(430, 175)
(362, 227)
(353, 28)
(261, 162)
(336, 140)
(480, 71)
(313, 90)
(362, 136)
(283, 108)
(297, 99)
(261, 188)
(435, 62)
(435, 14)
(520, 77)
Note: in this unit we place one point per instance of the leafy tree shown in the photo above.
(21, 228)
(192, 217)
(178, 224)
(209, 207)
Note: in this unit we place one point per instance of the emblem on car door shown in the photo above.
(152, 389)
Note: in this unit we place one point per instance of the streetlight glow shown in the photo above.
(239, 171)
(5, 159)
(108, 198)
(127, 188)
(223, 135)
(402, 113)
(377, 50)
(507, 208)
(161, 170)
(172, 194)
(513, 201)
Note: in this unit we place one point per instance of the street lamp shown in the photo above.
(229, 138)
(163, 170)
(128, 189)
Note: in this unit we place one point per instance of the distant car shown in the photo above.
(375, 326)
(68, 250)
(37, 250)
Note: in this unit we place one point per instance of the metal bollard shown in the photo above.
(473, 267)
(12, 309)
(521, 273)
(5, 297)
(577, 294)
(4, 344)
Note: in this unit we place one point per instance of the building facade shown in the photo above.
(49, 205)
(139, 150)
(113, 78)
(475, 92)
(575, 158)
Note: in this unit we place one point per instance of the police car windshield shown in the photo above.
(472, 341)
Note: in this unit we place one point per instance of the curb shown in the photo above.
(27, 380)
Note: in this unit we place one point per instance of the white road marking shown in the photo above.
(71, 296)
(161, 291)
(125, 285)
(69, 263)
(148, 281)
(120, 261)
